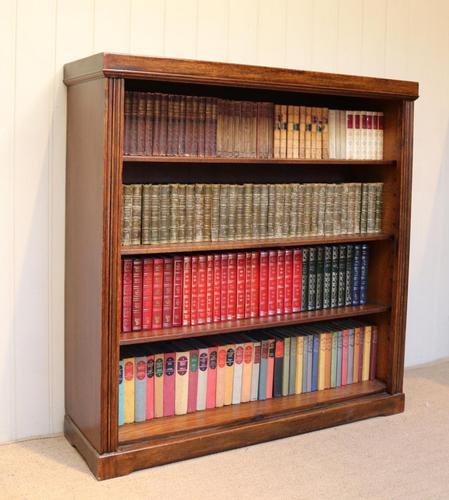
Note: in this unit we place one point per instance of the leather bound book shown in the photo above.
(210, 288)
(224, 287)
(159, 385)
(140, 389)
(305, 280)
(133, 123)
(128, 391)
(186, 290)
(167, 300)
(215, 213)
(181, 380)
(373, 353)
(150, 386)
(240, 298)
(169, 381)
(198, 213)
(311, 299)
(272, 282)
(248, 284)
(208, 127)
(207, 212)
(283, 143)
(136, 216)
(319, 277)
(217, 288)
(141, 109)
(195, 126)
(173, 133)
(188, 125)
(341, 296)
(277, 131)
(334, 276)
(177, 290)
(202, 288)
(356, 275)
(325, 134)
(309, 133)
(137, 295)
(164, 227)
(155, 212)
(297, 280)
(182, 126)
(147, 294)
(163, 125)
(170, 149)
(127, 126)
(348, 278)
(232, 287)
(121, 393)
(194, 292)
(350, 150)
(146, 214)
(364, 274)
(280, 282)
(127, 213)
(290, 130)
(327, 277)
(302, 132)
(201, 128)
(263, 285)
(127, 294)
(255, 279)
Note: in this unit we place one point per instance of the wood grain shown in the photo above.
(250, 324)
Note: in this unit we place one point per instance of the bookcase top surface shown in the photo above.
(236, 75)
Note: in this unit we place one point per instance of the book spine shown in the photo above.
(312, 363)
(334, 360)
(344, 356)
(173, 213)
(224, 287)
(194, 292)
(127, 294)
(327, 379)
(341, 298)
(262, 392)
(181, 383)
(158, 385)
(255, 284)
(255, 372)
(270, 368)
(297, 280)
(217, 288)
(211, 378)
(136, 217)
(203, 364)
(373, 355)
(272, 282)
(305, 280)
(277, 131)
(297, 363)
(121, 399)
(286, 367)
(349, 270)
(364, 274)
(311, 299)
(167, 301)
(169, 384)
(240, 299)
(350, 367)
(356, 275)
(137, 295)
(133, 123)
(177, 290)
(221, 373)
(201, 129)
(127, 125)
(202, 289)
(229, 374)
(186, 290)
(140, 393)
(366, 353)
(147, 294)
(128, 391)
(319, 277)
(248, 358)
(238, 375)
(210, 289)
(193, 381)
(339, 354)
(278, 367)
(150, 387)
(334, 277)
(280, 282)
(127, 212)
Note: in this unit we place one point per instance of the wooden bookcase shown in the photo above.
(96, 169)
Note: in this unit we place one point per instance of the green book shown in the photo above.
(311, 302)
(341, 300)
(319, 278)
(334, 276)
(286, 366)
(327, 277)
(348, 280)
(127, 210)
(305, 280)
(136, 218)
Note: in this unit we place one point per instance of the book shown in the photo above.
(140, 389)
(128, 391)
(121, 393)
(182, 380)
(169, 382)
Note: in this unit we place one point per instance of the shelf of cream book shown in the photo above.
(261, 161)
(252, 413)
(182, 332)
(211, 246)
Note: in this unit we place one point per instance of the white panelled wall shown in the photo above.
(406, 39)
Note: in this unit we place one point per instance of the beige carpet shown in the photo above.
(403, 456)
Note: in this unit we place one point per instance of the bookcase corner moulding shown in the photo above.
(237, 255)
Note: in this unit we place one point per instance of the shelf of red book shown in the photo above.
(258, 161)
(182, 332)
(244, 413)
(212, 246)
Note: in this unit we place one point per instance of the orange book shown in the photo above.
(355, 369)
(366, 353)
(248, 355)
(220, 384)
(270, 367)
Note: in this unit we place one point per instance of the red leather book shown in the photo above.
(136, 314)
(263, 298)
(272, 282)
(210, 289)
(232, 286)
(344, 357)
(158, 277)
(240, 299)
(202, 286)
(169, 384)
(217, 288)
(167, 300)
(177, 290)
(127, 294)
(186, 290)
(194, 299)
(147, 294)
(280, 282)
(150, 387)
(373, 354)
(255, 272)
(297, 280)
(288, 289)
(248, 284)
(224, 287)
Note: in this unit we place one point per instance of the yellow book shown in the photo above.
(181, 382)
(221, 371)
(128, 390)
(248, 359)
(299, 355)
(322, 362)
(366, 353)
(229, 373)
(159, 385)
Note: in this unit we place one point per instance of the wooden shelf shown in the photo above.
(258, 161)
(243, 413)
(211, 246)
(183, 332)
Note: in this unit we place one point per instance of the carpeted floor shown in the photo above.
(403, 456)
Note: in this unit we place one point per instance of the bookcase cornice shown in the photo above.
(236, 75)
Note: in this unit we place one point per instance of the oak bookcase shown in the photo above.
(96, 168)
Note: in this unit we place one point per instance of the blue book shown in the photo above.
(305, 357)
(315, 351)
(339, 354)
(364, 274)
(140, 389)
(350, 355)
(310, 364)
(292, 368)
(356, 262)
(121, 412)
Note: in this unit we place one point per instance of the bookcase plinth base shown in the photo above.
(147, 454)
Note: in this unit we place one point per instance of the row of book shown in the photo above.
(158, 124)
(179, 377)
(172, 291)
(163, 213)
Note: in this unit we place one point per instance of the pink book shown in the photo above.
(211, 378)
(193, 380)
(169, 384)
(344, 357)
(150, 387)
(270, 367)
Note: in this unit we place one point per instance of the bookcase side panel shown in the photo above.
(84, 307)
